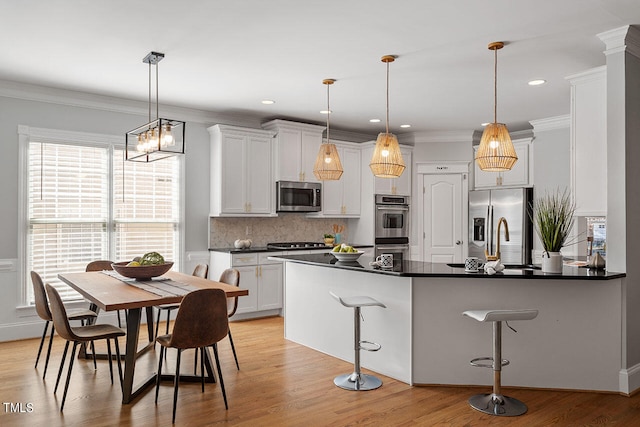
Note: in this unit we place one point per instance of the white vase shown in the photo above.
(552, 262)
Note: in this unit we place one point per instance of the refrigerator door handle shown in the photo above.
(490, 230)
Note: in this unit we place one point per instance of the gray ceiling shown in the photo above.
(227, 56)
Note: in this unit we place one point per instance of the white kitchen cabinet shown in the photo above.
(241, 174)
(341, 198)
(589, 141)
(400, 185)
(295, 149)
(263, 278)
(518, 176)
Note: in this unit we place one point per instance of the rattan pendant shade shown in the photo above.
(387, 161)
(496, 152)
(328, 166)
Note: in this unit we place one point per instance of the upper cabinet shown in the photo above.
(241, 175)
(295, 149)
(341, 198)
(519, 176)
(589, 141)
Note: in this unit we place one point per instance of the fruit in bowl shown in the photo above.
(150, 265)
(345, 252)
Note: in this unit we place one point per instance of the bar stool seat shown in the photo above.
(496, 403)
(358, 381)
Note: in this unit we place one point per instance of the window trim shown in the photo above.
(47, 135)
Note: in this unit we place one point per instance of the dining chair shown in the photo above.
(42, 308)
(230, 276)
(201, 270)
(80, 334)
(201, 322)
(102, 265)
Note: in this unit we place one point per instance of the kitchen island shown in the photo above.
(574, 343)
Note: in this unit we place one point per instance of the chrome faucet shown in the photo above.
(496, 256)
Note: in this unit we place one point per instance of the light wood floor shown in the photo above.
(280, 384)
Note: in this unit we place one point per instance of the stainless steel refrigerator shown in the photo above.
(486, 207)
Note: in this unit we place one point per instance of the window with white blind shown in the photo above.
(83, 203)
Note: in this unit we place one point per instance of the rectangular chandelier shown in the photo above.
(160, 138)
(156, 140)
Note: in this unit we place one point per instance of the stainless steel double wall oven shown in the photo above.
(392, 226)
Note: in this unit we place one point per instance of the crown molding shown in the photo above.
(623, 39)
(551, 123)
(71, 98)
(592, 74)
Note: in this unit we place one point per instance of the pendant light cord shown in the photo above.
(157, 91)
(495, 86)
(149, 91)
(387, 97)
(157, 96)
(328, 112)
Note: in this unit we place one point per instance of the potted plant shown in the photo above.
(329, 239)
(553, 216)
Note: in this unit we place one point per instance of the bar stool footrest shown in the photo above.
(374, 346)
(494, 404)
(475, 362)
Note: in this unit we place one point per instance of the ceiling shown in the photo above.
(226, 56)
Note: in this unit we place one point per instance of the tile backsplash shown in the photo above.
(283, 228)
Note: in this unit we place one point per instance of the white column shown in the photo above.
(623, 184)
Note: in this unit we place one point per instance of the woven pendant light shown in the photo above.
(496, 152)
(328, 166)
(387, 159)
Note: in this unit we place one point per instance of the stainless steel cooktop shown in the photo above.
(295, 245)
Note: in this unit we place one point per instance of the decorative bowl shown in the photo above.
(142, 272)
(347, 256)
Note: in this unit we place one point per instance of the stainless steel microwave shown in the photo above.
(293, 196)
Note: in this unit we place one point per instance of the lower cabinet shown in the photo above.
(261, 276)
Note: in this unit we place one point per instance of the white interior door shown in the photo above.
(443, 218)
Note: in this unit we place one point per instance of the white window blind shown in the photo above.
(85, 204)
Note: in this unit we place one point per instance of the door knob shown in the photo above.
(458, 242)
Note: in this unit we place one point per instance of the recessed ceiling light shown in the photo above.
(268, 101)
(375, 120)
(537, 82)
(326, 112)
(405, 126)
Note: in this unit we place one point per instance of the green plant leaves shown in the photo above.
(553, 218)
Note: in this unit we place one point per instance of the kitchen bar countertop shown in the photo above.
(427, 269)
(266, 249)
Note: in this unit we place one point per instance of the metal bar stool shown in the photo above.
(357, 380)
(496, 403)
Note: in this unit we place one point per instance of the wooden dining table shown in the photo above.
(110, 293)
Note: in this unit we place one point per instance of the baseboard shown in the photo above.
(629, 379)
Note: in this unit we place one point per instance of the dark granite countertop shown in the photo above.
(265, 249)
(427, 269)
